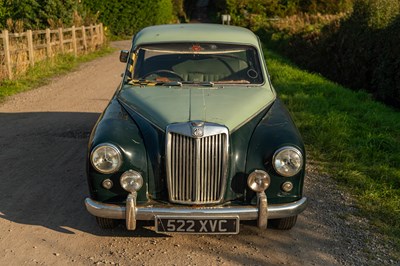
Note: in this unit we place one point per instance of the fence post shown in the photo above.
(84, 38)
(48, 42)
(6, 45)
(101, 34)
(92, 37)
(74, 45)
(30, 48)
(61, 39)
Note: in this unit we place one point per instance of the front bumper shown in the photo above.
(262, 212)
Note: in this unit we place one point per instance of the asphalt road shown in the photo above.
(43, 138)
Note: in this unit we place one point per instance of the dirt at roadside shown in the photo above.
(43, 138)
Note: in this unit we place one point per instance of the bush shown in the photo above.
(375, 14)
(362, 50)
(124, 18)
(34, 14)
(358, 51)
(386, 72)
(3, 12)
(324, 6)
(179, 10)
(255, 13)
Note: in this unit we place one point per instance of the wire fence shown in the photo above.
(19, 51)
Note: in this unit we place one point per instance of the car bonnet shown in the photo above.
(231, 106)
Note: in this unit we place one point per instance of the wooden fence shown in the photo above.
(18, 51)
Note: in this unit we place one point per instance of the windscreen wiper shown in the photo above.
(242, 81)
(172, 83)
(203, 83)
(145, 82)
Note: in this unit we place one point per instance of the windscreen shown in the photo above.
(198, 63)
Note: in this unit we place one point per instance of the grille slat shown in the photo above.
(196, 167)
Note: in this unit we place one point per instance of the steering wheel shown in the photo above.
(169, 73)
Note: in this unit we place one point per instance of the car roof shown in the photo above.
(195, 33)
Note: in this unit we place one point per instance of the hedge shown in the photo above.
(255, 13)
(361, 51)
(124, 18)
(18, 15)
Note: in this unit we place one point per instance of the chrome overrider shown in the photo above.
(131, 212)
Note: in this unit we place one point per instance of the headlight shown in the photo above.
(131, 181)
(288, 161)
(106, 158)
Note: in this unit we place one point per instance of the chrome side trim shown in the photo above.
(148, 212)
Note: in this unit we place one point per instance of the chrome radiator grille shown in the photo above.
(197, 166)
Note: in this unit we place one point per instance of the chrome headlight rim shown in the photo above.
(289, 148)
(119, 155)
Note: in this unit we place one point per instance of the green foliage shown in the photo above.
(3, 12)
(360, 51)
(355, 139)
(250, 13)
(57, 11)
(125, 18)
(323, 6)
(179, 10)
(255, 13)
(375, 14)
(36, 14)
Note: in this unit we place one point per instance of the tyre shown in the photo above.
(284, 223)
(106, 223)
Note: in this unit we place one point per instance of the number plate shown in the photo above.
(197, 225)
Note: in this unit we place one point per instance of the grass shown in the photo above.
(356, 139)
(41, 73)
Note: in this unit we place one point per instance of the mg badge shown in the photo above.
(197, 129)
(197, 132)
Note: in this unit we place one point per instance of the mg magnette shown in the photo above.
(195, 137)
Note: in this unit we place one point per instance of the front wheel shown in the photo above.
(106, 223)
(284, 223)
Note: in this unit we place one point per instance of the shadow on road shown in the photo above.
(42, 172)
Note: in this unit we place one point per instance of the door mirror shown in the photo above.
(123, 56)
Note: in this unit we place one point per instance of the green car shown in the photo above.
(195, 138)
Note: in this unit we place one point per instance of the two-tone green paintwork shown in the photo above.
(137, 116)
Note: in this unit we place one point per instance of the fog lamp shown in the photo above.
(131, 181)
(258, 181)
